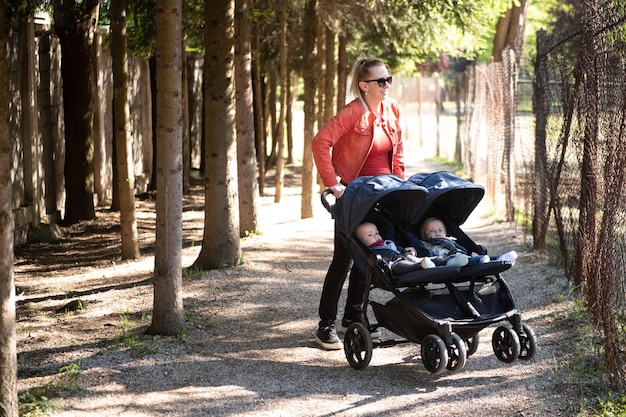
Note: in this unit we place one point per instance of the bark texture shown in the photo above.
(168, 313)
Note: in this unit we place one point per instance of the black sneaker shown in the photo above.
(374, 332)
(326, 337)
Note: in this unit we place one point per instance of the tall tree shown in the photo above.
(284, 96)
(220, 243)
(75, 23)
(329, 74)
(510, 30)
(257, 99)
(8, 350)
(168, 314)
(246, 151)
(121, 113)
(309, 74)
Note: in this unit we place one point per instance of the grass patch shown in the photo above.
(137, 344)
(455, 167)
(613, 406)
(580, 371)
(37, 401)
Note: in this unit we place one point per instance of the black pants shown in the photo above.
(333, 283)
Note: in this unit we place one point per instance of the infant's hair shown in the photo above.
(423, 234)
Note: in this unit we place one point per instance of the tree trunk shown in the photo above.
(153, 109)
(309, 75)
(342, 64)
(257, 98)
(121, 114)
(294, 85)
(8, 350)
(329, 74)
(510, 31)
(186, 132)
(220, 244)
(75, 24)
(321, 70)
(168, 314)
(271, 110)
(246, 152)
(284, 96)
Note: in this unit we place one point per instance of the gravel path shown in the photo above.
(249, 350)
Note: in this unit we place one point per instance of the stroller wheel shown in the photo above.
(505, 343)
(434, 354)
(528, 343)
(472, 344)
(457, 354)
(358, 346)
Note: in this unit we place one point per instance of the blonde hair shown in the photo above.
(360, 72)
(423, 234)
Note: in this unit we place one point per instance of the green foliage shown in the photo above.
(17, 8)
(141, 27)
(613, 406)
(69, 377)
(523, 219)
(227, 263)
(252, 233)
(540, 16)
(580, 371)
(36, 401)
(419, 31)
(131, 340)
(193, 272)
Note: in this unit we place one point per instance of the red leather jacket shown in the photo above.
(342, 145)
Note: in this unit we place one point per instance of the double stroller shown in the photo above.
(442, 308)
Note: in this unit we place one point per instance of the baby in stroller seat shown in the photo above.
(400, 260)
(435, 237)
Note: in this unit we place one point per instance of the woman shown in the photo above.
(363, 138)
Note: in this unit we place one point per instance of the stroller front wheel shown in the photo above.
(358, 346)
(457, 354)
(505, 343)
(434, 354)
(528, 343)
(472, 344)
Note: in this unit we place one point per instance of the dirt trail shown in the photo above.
(248, 349)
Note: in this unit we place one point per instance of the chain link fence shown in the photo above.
(574, 189)
(548, 142)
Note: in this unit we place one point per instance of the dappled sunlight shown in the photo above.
(248, 346)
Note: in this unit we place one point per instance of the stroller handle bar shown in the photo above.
(329, 207)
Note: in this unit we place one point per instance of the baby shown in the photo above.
(400, 260)
(434, 235)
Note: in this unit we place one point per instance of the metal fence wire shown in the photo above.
(574, 189)
(549, 144)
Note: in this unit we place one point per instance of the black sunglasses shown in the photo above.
(381, 81)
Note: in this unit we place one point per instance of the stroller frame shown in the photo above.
(443, 308)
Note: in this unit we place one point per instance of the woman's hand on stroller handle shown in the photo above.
(338, 190)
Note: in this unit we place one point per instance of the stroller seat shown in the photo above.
(425, 276)
(418, 277)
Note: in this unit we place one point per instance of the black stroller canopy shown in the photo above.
(401, 199)
(448, 195)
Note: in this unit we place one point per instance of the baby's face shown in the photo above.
(368, 234)
(435, 229)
